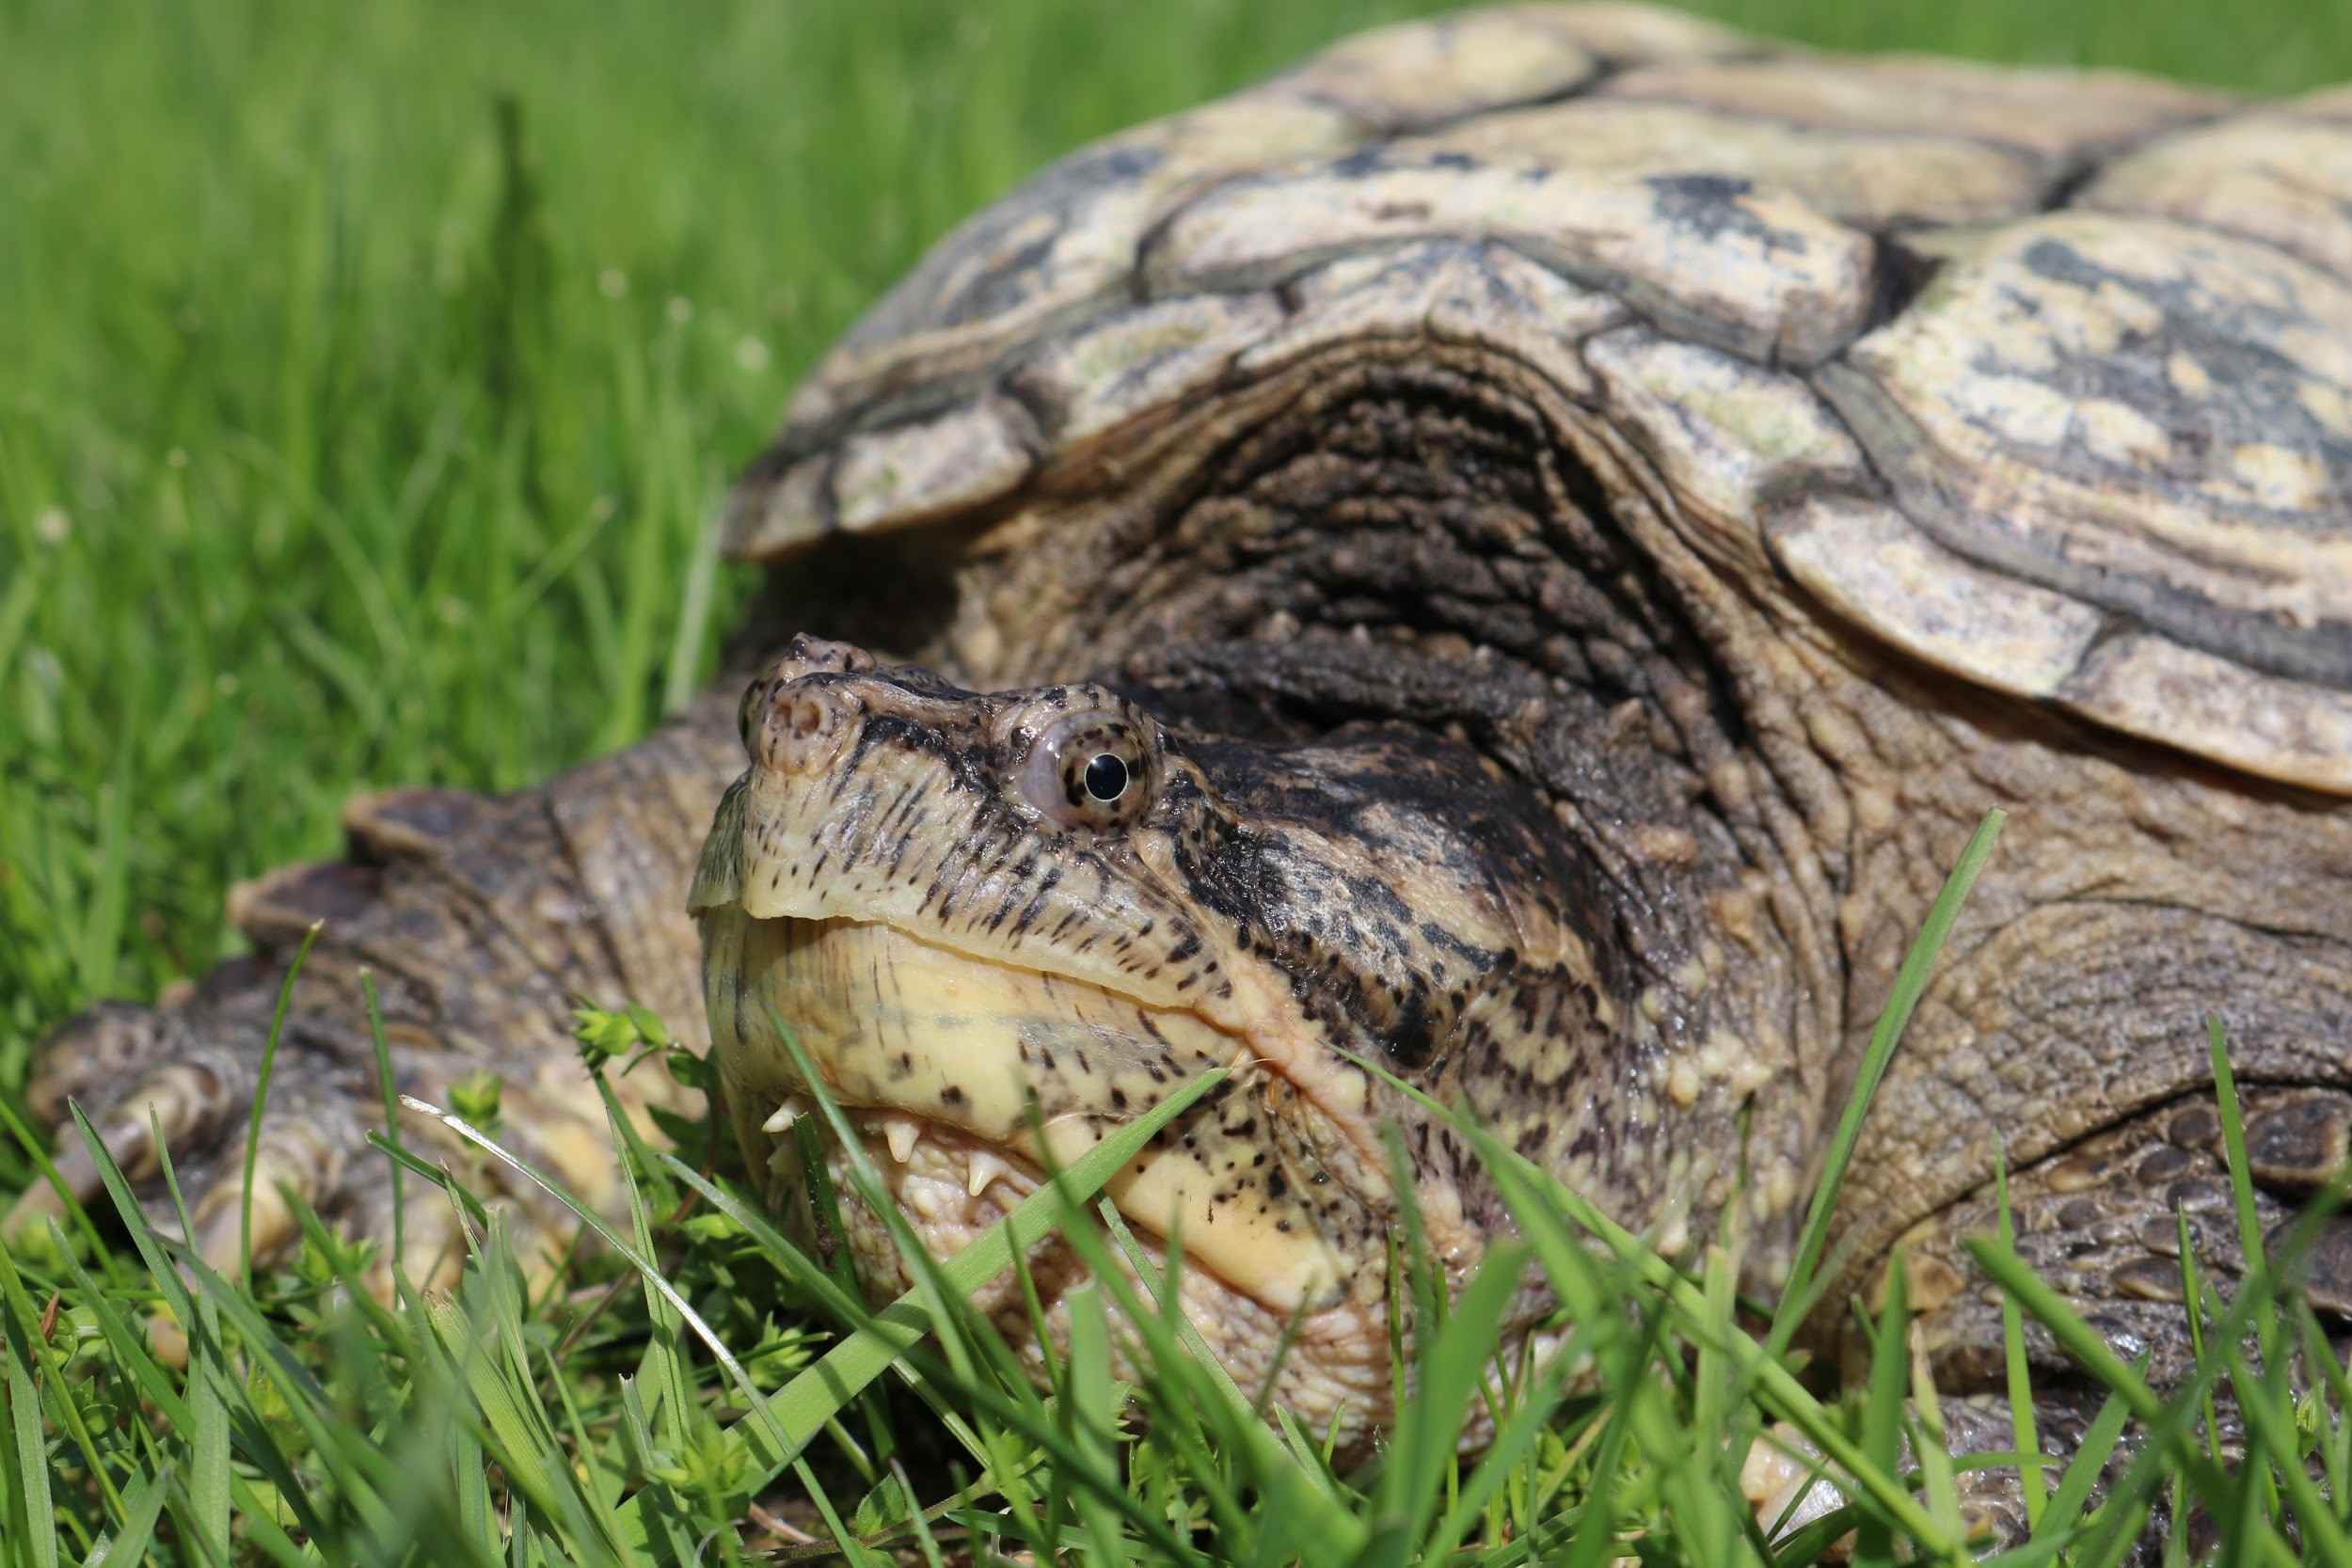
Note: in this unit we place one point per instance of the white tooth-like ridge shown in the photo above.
(902, 1132)
(985, 1168)
(794, 1107)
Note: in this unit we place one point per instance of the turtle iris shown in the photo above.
(1088, 768)
(1106, 778)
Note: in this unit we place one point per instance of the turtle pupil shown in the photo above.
(1106, 778)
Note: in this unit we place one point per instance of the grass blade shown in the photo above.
(1451, 1376)
(43, 1356)
(1882, 1409)
(391, 1092)
(1245, 1419)
(1910, 981)
(644, 1266)
(2084, 1343)
(1092, 1414)
(2026, 1431)
(36, 1532)
(140, 1512)
(261, 1102)
(799, 1410)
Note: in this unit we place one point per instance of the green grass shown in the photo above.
(368, 377)
(645, 1408)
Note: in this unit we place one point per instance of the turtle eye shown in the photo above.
(1088, 771)
(1106, 779)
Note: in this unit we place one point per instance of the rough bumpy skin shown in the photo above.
(483, 921)
(1565, 516)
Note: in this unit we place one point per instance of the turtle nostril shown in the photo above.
(808, 716)
(792, 701)
(805, 725)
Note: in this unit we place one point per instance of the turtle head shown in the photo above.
(1002, 924)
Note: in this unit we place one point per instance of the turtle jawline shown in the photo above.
(935, 1047)
(926, 1168)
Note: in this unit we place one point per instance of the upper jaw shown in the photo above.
(842, 816)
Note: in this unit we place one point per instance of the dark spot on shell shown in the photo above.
(2149, 1280)
(2079, 1213)
(2075, 1174)
(2161, 1234)
(2198, 1196)
(2326, 1271)
(2195, 1127)
(2300, 1145)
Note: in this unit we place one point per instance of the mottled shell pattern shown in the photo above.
(2043, 377)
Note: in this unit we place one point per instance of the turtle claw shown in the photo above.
(433, 1249)
(178, 1081)
(130, 1143)
(184, 1085)
(90, 1055)
(41, 1202)
(292, 1166)
(191, 1103)
(136, 1073)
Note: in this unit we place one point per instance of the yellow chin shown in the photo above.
(939, 1036)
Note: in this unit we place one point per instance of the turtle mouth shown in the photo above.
(1330, 1364)
(947, 1185)
(967, 1077)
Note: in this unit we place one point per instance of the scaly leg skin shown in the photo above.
(1790, 1486)
(483, 920)
(2101, 1224)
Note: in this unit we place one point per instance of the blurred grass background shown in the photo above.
(369, 374)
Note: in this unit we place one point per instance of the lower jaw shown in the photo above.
(932, 1046)
(950, 1188)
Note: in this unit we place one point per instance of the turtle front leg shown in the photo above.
(2102, 1222)
(483, 921)
(1791, 1485)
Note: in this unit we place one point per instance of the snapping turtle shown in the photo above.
(1519, 549)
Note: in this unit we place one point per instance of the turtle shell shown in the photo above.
(2043, 377)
